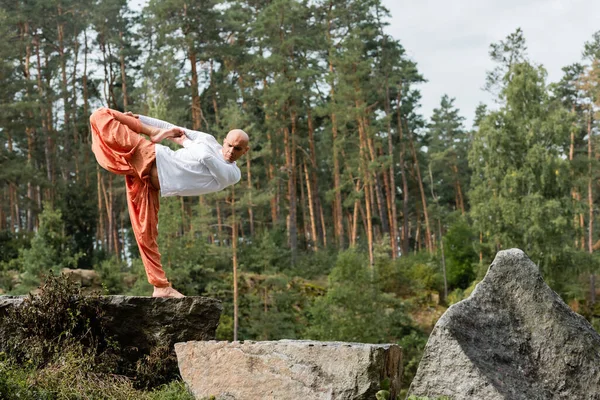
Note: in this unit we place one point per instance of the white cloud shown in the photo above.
(450, 40)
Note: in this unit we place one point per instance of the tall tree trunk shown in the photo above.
(86, 106)
(250, 189)
(75, 132)
(123, 74)
(460, 202)
(324, 226)
(367, 186)
(418, 241)
(29, 131)
(46, 115)
(196, 108)
(290, 155)
(443, 260)
(591, 207)
(3, 217)
(214, 95)
(271, 171)
(590, 183)
(219, 223)
(112, 78)
(12, 193)
(234, 239)
(314, 181)
(337, 203)
(100, 232)
(65, 95)
(578, 219)
(307, 232)
(376, 182)
(428, 243)
(404, 243)
(355, 215)
(390, 187)
(311, 209)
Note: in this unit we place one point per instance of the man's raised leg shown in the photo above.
(120, 149)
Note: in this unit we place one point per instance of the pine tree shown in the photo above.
(520, 189)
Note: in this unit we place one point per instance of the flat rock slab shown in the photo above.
(288, 369)
(513, 338)
(139, 323)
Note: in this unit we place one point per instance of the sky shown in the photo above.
(449, 41)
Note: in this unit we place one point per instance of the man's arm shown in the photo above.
(137, 125)
(225, 174)
(191, 134)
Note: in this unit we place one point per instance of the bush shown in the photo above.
(60, 350)
(57, 318)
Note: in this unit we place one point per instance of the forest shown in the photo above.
(357, 218)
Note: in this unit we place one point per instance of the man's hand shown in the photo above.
(130, 114)
(168, 134)
(179, 139)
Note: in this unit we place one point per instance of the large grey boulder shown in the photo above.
(288, 369)
(140, 323)
(513, 338)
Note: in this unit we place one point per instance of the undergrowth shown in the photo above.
(59, 349)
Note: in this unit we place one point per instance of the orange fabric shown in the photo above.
(119, 149)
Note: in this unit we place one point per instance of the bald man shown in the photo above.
(201, 166)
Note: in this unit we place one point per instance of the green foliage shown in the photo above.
(448, 146)
(11, 243)
(459, 294)
(355, 308)
(274, 307)
(521, 186)
(66, 354)
(382, 395)
(40, 335)
(70, 378)
(413, 345)
(419, 273)
(112, 276)
(187, 259)
(157, 368)
(175, 390)
(460, 254)
(266, 254)
(48, 251)
(79, 214)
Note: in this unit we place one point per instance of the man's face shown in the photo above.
(235, 145)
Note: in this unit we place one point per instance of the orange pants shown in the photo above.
(120, 149)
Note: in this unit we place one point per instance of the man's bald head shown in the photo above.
(235, 145)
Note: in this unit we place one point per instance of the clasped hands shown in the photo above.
(174, 134)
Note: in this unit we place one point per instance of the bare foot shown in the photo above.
(166, 292)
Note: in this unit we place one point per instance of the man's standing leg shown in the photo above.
(120, 149)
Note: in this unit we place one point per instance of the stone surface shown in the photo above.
(138, 323)
(87, 278)
(288, 369)
(513, 338)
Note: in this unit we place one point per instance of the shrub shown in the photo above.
(60, 350)
(57, 318)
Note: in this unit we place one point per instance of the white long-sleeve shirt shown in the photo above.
(198, 168)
